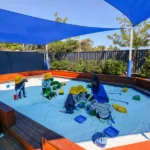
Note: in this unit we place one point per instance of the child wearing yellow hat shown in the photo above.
(71, 101)
(46, 82)
(20, 85)
(82, 96)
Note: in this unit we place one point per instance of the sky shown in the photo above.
(94, 13)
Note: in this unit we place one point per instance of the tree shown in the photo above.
(99, 48)
(87, 44)
(59, 19)
(72, 45)
(69, 45)
(111, 48)
(11, 46)
(141, 36)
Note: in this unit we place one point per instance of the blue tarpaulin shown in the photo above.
(18, 28)
(136, 10)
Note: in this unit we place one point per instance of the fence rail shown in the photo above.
(138, 57)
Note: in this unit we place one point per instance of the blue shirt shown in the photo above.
(100, 94)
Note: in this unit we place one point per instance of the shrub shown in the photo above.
(146, 67)
(79, 65)
(100, 66)
(71, 66)
(60, 64)
(90, 66)
(56, 65)
(114, 67)
(64, 64)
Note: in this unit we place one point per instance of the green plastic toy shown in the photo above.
(58, 84)
(88, 85)
(51, 79)
(82, 104)
(93, 112)
(137, 97)
(55, 87)
(49, 93)
(52, 83)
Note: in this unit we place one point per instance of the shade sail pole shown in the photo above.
(130, 54)
(47, 59)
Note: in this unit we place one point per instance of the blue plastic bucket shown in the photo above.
(100, 139)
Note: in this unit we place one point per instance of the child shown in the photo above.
(71, 101)
(82, 96)
(20, 85)
(46, 82)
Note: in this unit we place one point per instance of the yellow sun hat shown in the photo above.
(18, 79)
(74, 90)
(47, 76)
(81, 89)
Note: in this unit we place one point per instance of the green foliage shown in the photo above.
(79, 65)
(87, 44)
(91, 66)
(146, 68)
(69, 45)
(110, 66)
(141, 33)
(100, 66)
(34, 47)
(58, 46)
(64, 64)
(60, 65)
(11, 46)
(71, 66)
(111, 48)
(114, 67)
(56, 65)
(59, 19)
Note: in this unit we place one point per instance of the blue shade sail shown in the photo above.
(19, 28)
(136, 10)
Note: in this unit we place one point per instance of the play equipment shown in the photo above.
(111, 119)
(55, 87)
(15, 96)
(52, 79)
(8, 85)
(61, 92)
(63, 83)
(49, 94)
(93, 112)
(111, 132)
(119, 101)
(119, 108)
(137, 97)
(88, 85)
(80, 119)
(56, 83)
(115, 93)
(125, 90)
(90, 110)
(81, 105)
(100, 139)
